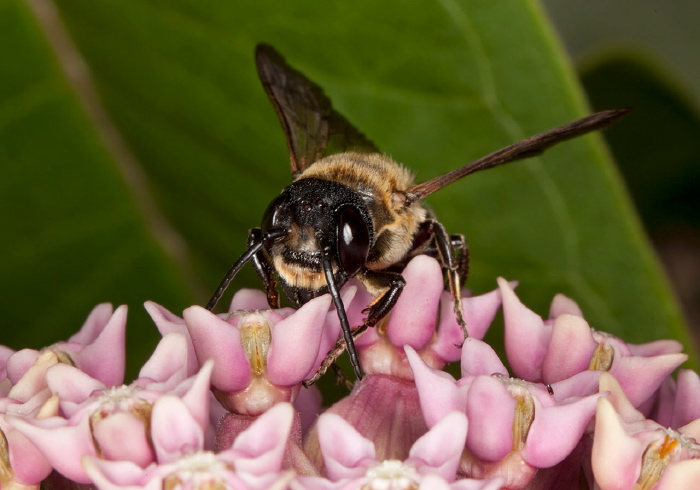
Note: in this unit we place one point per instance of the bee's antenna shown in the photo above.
(238, 265)
(530, 147)
(327, 252)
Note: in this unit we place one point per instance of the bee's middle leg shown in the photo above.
(444, 247)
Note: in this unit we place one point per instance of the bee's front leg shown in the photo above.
(263, 266)
(392, 283)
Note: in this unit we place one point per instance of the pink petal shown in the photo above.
(563, 305)
(490, 409)
(175, 432)
(479, 358)
(119, 475)
(249, 299)
(680, 474)
(215, 339)
(32, 382)
(570, 349)
(19, 363)
(294, 348)
(579, 385)
(345, 452)
(616, 458)
(93, 326)
(28, 463)
(479, 312)
(105, 357)
(640, 377)
(167, 322)
(438, 391)
(526, 336)
(412, 320)
(260, 448)
(121, 436)
(556, 431)
(62, 445)
(197, 397)
(656, 348)
(619, 401)
(166, 366)
(687, 403)
(72, 386)
(439, 450)
(309, 406)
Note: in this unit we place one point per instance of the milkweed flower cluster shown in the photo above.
(220, 404)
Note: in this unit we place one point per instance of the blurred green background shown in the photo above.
(137, 147)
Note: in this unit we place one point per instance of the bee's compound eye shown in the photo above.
(273, 214)
(352, 240)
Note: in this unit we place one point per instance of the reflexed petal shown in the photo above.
(563, 305)
(616, 457)
(28, 463)
(121, 436)
(479, 358)
(216, 339)
(556, 430)
(687, 402)
(249, 299)
(295, 343)
(438, 391)
(679, 475)
(62, 445)
(479, 312)
(526, 336)
(640, 377)
(167, 323)
(166, 366)
(94, 324)
(175, 432)
(439, 450)
(656, 348)
(345, 452)
(571, 347)
(105, 357)
(260, 449)
(490, 409)
(412, 320)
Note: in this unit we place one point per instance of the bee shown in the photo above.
(352, 211)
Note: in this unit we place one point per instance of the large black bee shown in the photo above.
(353, 212)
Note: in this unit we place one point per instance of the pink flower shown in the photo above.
(262, 356)
(413, 322)
(97, 349)
(384, 406)
(351, 461)
(254, 461)
(109, 422)
(630, 451)
(516, 427)
(557, 349)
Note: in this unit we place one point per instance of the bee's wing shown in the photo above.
(526, 148)
(311, 127)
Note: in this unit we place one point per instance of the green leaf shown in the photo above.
(146, 189)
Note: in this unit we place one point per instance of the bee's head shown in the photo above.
(317, 213)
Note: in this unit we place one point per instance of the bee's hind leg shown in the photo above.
(456, 266)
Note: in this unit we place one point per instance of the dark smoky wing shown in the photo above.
(346, 137)
(312, 128)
